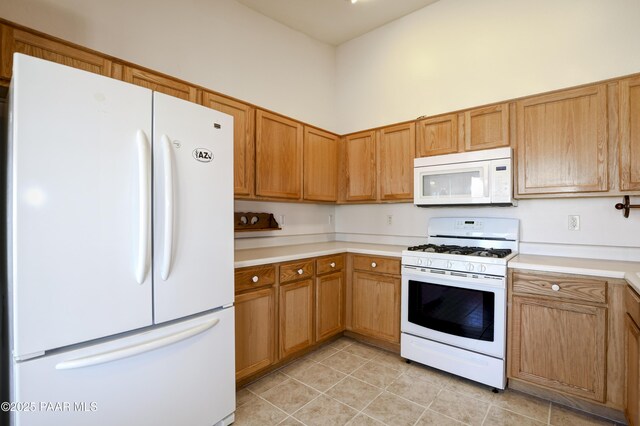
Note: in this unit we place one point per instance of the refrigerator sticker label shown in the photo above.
(203, 155)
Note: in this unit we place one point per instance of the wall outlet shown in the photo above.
(389, 219)
(281, 220)
(574, 223)
(330, 219)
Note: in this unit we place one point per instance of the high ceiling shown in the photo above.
(335, 21)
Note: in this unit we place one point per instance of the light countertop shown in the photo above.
(571, 265)
(261, 256)
(629, 271)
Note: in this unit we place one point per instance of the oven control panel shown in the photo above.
(456, 265)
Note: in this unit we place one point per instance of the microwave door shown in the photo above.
(453, 184)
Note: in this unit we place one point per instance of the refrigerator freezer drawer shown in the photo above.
(179, 374)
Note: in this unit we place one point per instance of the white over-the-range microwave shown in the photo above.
(467, 178)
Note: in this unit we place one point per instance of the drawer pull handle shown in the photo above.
(333, 264)
(374, 264)
(255, 279)
(555, 287)
(300, 271)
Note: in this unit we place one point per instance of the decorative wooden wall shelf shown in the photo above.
(244, 222)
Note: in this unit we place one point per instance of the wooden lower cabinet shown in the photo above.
(559, 345)
(375, 307)
(632, 357)
(296, 317)
(329, 305)
(632, 351)
(255, 331)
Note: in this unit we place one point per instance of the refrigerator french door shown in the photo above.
(120, 251)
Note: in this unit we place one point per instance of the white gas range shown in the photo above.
(453, 314)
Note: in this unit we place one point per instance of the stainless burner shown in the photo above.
(461, 250)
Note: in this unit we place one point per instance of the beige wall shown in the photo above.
(456, 54)
(219, 44)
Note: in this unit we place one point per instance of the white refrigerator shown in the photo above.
(120, 253)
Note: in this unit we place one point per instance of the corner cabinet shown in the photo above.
(320, 165)
(375, 297)
(630, 134)
(632, 357)
(243, 140)
(278, 156)
(562, 142)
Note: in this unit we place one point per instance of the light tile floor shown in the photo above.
(350, 383)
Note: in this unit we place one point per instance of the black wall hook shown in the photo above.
(626, 206)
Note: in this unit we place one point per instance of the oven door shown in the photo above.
(461, 311)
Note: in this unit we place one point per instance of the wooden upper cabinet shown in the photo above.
(437, 135)
(359, 159)
(320, 165)
(159, 83)
(243, 140)
(395, 160)
(562, 142)
(14, 40)
(278, 156)
(486, 128)
(630, 134)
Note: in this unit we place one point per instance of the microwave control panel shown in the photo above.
(501, 180)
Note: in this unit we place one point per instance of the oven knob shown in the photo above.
(429, 262)
(419, 262)
(469, 266)
(483, 268)
(449, 265)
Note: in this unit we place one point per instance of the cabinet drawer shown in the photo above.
(382, 265)
(632, 302)
(294, 271)
(560, 286)
(329, 264)
(254, 277)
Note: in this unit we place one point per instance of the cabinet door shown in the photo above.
(255, 331)
(559, 345)
(296, 317)
(632, 361)
(630, 134)
(160, 83)
(278, 156)
(329, 305)
(562, 142)
(243, 140)
(320, 165)
(437, 135)
(376, 306)
(13, 40)
(486, 127)
(395, 159)
(359, 151)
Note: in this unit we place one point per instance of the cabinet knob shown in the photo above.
(300, 271)
(555, 287)
(255, 279)
(333, 264)
(374, 264)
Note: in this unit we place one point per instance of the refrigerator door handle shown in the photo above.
(143, 347)
(168, 208)
(143, 205)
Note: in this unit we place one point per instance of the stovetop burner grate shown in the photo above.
(461, 250)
